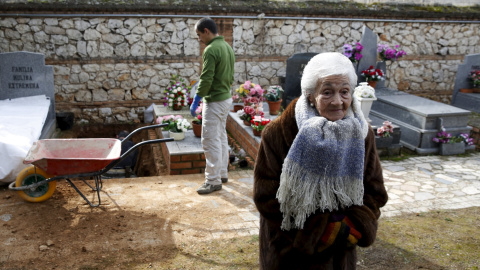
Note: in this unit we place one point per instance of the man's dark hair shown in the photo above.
(122, 134)
(207, 23)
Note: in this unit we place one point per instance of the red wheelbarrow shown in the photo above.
(56, 159)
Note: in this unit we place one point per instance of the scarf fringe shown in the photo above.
(300, 194)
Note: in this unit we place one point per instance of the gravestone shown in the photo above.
(468, 101)
(369, 52)
(24, 74)
(295, 65)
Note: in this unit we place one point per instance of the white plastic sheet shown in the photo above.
(21, 123)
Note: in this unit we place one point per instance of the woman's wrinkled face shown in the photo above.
(332, 97)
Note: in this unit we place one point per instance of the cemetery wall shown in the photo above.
(108, 68)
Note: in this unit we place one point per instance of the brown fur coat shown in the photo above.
(295, 249)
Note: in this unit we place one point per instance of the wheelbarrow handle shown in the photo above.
(115, 162)
(142, 128)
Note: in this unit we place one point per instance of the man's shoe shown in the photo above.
(224, 180)
(207, 188)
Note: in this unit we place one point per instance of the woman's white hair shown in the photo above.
(323, 65)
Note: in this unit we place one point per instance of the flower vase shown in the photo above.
(197, 129)
(372, 83)
(177, 108)
(447, 149)
(274, 107)
(366, 106)
(237, 108)
(177, 136)
(257, 132)
(383, 142)
(246, 123)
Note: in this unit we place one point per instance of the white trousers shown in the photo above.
(214, 140)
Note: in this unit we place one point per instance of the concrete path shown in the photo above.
(426, 183)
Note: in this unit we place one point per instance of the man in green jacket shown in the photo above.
(214, 87)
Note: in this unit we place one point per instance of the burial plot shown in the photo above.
(468, 101)
(419, 118)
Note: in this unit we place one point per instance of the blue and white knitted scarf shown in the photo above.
(323, 169)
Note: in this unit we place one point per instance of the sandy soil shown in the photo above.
(140, 221)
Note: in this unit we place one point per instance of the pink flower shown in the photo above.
(260, 92)
(249, 110)
(247, 85)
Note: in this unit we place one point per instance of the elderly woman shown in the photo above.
(318, 179)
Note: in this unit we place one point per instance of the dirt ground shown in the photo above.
(141, 221)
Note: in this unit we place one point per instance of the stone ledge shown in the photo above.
(252, 7)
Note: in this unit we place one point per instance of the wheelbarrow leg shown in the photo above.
(98, 187)
(96, 184)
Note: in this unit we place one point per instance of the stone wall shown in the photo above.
(108, 69)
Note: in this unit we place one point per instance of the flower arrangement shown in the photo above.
(373, 74)
(364, 91)
(385, 130)
(177, 93)
(273, 93)
(259, 123)
(353, 52)
(387, 53)
(236, 98)
(466, 138)
(444, 137)
(474, 76)
(248, 113)
(250, 92)
(198, 116)
(175, 123)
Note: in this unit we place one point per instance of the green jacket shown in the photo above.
(217, 72)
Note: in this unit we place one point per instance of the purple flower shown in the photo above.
(347, 50)
(359, 47)
(353, 52)
(381, 47)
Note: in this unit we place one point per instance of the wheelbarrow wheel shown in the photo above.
(31, 175)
